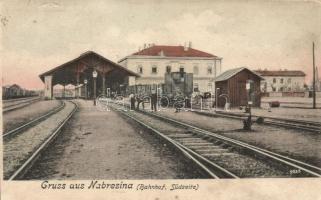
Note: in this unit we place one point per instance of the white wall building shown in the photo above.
(154, 61)
(282, 81)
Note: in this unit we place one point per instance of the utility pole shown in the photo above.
(313, 92)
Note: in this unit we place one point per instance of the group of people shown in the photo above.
(140, 99)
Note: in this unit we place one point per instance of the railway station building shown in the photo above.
(154, 61)
(90, 73)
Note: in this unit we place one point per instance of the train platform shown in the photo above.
(100, 144)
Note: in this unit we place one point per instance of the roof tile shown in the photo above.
(280, 73)
(172, 51)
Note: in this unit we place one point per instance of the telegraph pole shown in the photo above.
(313, 92)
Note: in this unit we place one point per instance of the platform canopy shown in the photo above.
(73, 71)
(81, 71)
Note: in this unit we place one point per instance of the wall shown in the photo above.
(147, 77)
(296, 84)
(235, 88)
(238, 92)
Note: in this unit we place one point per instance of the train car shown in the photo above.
(15, 91)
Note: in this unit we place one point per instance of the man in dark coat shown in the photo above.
(154, 100)
(140, 100)
(132, 101)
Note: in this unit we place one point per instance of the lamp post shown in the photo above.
(216, 98)
(249, 89)
(95, 76)
(85, 82)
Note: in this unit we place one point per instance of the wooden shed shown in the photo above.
(231, 86)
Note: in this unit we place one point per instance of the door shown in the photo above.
(242, 94)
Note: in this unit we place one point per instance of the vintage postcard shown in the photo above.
(161, 99)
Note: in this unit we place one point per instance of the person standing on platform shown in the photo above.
(140, 100)
(154, 100)
(132, 101)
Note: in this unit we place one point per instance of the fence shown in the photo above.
(285, 94)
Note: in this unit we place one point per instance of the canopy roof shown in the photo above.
(72, 71)
(232, 72)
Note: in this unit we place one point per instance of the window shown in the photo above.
(168, 69)
(154, 69)
(209, 86)
(209, 69)
(140, 69)
(195, 88)
(289, 80)
(274, 80)
(195, 70)
(281, 80)
(181, 69)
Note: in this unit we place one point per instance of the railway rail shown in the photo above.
(17, 99)
(303, 125)
(10, 105)
(220, 156)
(33, 122)
(28, 161)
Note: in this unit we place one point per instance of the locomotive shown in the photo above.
(177, 87)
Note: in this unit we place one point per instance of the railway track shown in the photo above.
(10, 105)
(33, 122)
(271, 121)
(220, 156)
(19, 159)
(16, 99)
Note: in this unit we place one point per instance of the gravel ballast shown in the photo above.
(20, 116)
(18, 148)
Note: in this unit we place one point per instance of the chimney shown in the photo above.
(161, 53)
(189, 44)
(185, 47)
(145, 45)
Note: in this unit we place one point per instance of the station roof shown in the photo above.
(232, 72)
(280, 72)
(89, 55)
(171, 51)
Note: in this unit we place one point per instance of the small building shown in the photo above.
(282, 81)
(231, 87)
(154, 61)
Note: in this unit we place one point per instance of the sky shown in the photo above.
(38, 35)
